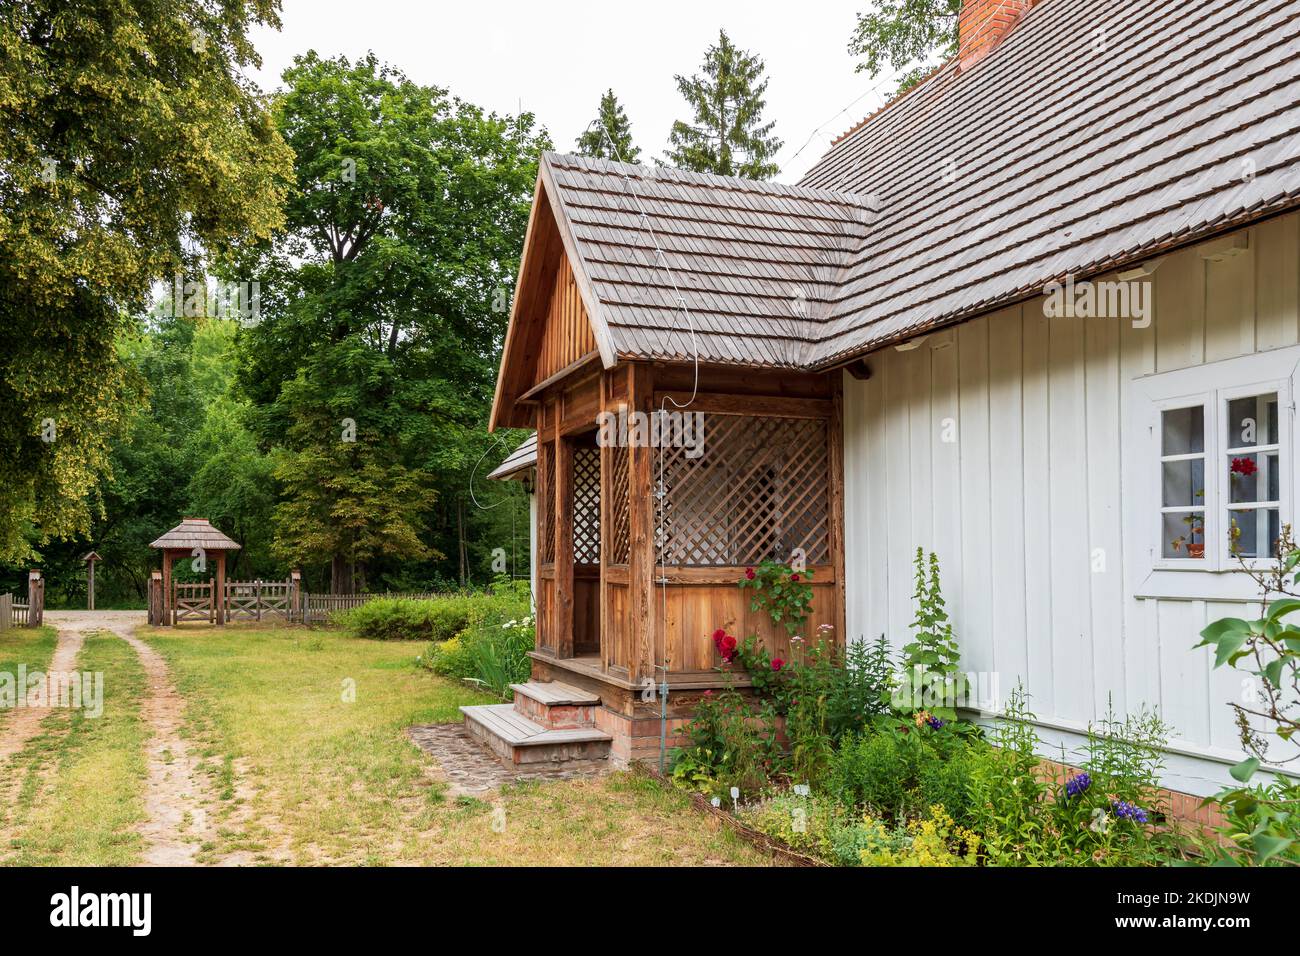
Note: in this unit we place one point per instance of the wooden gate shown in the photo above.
(252, 600)
(193, 602)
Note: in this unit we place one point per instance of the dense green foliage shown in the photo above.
(726, 133)
(338, 424)
(906, 35)
(491, 649)
(132, 143)
(610, 134)
(404, 619)
(846, 759)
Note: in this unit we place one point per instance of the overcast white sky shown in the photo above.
(557, 57)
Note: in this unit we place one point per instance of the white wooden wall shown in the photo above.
(1016, 505)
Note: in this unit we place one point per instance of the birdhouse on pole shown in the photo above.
(90, 560)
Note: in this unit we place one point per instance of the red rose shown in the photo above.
(718, 635)
(777, 663)
(728, 645)
(749, 573)
(794, 578)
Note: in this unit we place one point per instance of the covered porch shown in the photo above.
(675, 448)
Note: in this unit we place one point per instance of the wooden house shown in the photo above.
(1019, 317)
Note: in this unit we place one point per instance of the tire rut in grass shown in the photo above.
(176, 797)
(24, 723)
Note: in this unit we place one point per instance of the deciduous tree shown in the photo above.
(131, 143)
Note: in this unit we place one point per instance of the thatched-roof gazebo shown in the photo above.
(194, 538)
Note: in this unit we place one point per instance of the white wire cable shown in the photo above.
(661, 489)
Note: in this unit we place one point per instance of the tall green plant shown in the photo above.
(932, 677)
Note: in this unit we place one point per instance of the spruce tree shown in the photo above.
(613, 121)
(727, 135)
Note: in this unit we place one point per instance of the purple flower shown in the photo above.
(935, 723)
(1077, 784)
(1129, 811)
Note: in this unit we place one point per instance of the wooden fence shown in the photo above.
(29, 613)
(256, 601)
(318, 608)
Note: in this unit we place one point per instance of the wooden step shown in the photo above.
(517, 740)
(556, 706)
(555, 694)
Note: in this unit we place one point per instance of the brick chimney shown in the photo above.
(982, 25)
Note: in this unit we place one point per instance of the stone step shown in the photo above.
(517, 740)
(556, 706)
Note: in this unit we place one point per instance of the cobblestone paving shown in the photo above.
(470, 769)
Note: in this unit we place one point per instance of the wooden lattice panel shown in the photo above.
(760, 490)
(586, 505)
(620, 535)
(546, 515)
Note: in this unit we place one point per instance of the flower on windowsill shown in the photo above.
(777, 663)
(1244, 467)
(794, 578)
(749, 573)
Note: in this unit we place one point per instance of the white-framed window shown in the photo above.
(1214, 474)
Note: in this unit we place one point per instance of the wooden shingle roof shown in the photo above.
(1098, 134)
(195, 533)
(518, 461)
(752, 260)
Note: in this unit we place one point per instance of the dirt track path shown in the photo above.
(24, 723)
(175, 795)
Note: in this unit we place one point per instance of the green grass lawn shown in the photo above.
(303, 736)
(73, 794)
(33, 646)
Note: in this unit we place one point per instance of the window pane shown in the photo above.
(1243, 479)
(1254, 533)
(1183, 431)
(1252, 421)
(1184, 482)
(1184, 535)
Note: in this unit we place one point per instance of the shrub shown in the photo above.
(1263, 819)
(733, 744)
(497, 653)
(934, 840)
(809, 824)
(898, 769)
(402, 619)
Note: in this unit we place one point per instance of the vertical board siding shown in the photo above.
(1026, 507)
(567, 335)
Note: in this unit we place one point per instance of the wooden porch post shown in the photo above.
(606, 453)
(641, 517)
(545, 531)
(563, 545)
